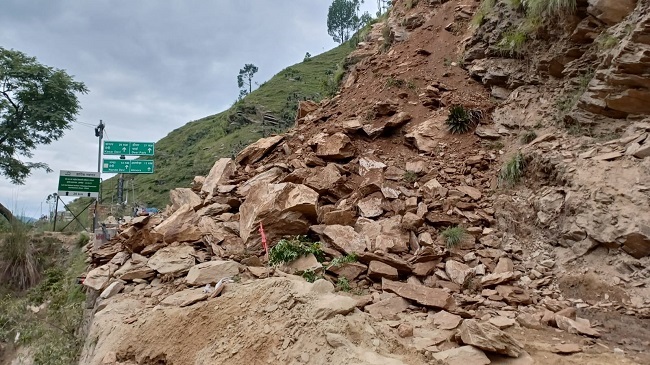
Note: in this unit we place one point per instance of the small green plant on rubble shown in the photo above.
(483, 10)
(410, 177)
(461, 120)
(528, 137)
(288, 250)
(310, 275)
(512, 171)
(343, 284)
(339, 261)
(453, 236)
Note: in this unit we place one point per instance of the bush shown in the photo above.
(288, 250)
(410, 177)
(343, 260)
(539, 8)
(82, 240)
(343, 284)
(512, 171)
(528, 137)
(453, 236)
(461, 120)
(513, 41)
(484, 9)
(18, 257)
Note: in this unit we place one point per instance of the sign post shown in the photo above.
(114, 148)
(128, 166)
(79, 184)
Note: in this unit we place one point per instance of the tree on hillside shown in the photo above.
(246, 76)
(343, 19)
(383, 6)
(37, 104)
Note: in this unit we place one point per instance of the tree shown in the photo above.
(343, 19)
(246, 75)
(37, 104)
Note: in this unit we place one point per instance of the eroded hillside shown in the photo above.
(525, 238)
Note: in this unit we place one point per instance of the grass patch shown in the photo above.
(388, 37)
(606, 41)
(410, 177)
(53, 335)
(542, 8)
(310, 275)
(288, 250)
(18, 256)
(565, 103)
(461, 120)
(493, 145)
(486, 7)
(528, 137)
(512, 42)
(513, 170)
(339, 261)
(393, 82)
(453, 236)
(82, 240)
(410, 4)
(343, 284)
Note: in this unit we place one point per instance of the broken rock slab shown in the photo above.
(345, 238)
(378, 270)
(446, 321)
(211, 272)
(180, 226)
(174, 259)
(388, 308)
(184, 298)
(219, 174)
(184, 196)
(464, 355)
(429, 297)
(335, 147)
(257, 150)
(112, 290)
(488, 337)
(98, 278)
(581, 327)
(330, 305)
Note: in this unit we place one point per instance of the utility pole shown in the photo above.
(120, 186)
(99, 132)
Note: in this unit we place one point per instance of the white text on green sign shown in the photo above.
(128, 166)
(79, 183)
(129, 148)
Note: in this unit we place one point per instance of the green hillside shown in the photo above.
(192, 149)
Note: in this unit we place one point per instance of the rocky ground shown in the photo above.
(552, 270)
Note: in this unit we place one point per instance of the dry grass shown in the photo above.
(20, 267)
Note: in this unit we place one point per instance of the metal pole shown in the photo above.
(56, 212)
(99, 132)
(120, 189)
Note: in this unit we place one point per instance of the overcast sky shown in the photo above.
(151, 65)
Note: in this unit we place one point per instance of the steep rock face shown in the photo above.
(621, 84)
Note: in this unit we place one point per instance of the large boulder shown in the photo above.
(173, 259)
(464, 355)
(269, 176)
(305, 108)
(135, 268)
(219, 174)
(488, 337)
(284, 209)
(180, 226)
(335, 147)
(386, 234)
(427, 135)
(211, 272)
(324, 179)
(345, 239)
(257, 150)
(184, 196)
(611, 11)
(98, 278)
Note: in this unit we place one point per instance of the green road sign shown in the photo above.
(79, 183)
(128, 166)
(129, 148)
